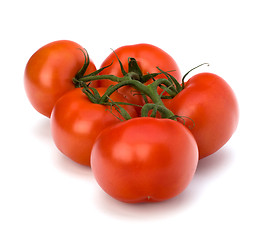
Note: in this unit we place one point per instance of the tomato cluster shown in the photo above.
(135, 121)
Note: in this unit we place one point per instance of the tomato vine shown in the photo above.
(137, 80)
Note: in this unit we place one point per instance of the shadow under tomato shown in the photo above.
(63, 163)
(211, 169)
(42, 129)
(70, 167)
(139, 211)
(215, 163)
(143, 211)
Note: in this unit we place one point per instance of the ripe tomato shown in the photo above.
(49, 73)
(148, 58)
(76, 122)
(144, 159)
(212, 107)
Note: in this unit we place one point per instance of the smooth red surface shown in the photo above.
(211, 105)
(144, 159)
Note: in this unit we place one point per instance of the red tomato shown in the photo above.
(144, 159)
(49, 73)
(76, 122)
(148, 58)
(212, 107)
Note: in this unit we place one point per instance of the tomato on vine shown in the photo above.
(211, 111)
(169, 124)
(144, 159)
(76, 122)
(49, 73)
(148, 57)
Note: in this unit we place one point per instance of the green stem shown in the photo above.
(183, 82)
(165, 113)
(100, 77)
(131, 79)
(149, 90)
(136, 84)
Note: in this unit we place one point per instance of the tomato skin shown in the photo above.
(76, 122)
(211, 104)
(148, 58)
(49, 73)
(144, 159)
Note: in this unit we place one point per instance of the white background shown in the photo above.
(44, 195)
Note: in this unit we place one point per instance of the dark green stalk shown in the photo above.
(150, 91)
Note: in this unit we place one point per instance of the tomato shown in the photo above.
(148, 58)
(76, 122)
(211, 109)
(144, 159)
(49, 73)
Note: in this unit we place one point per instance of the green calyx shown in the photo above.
(78, 79)
(135, 79)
